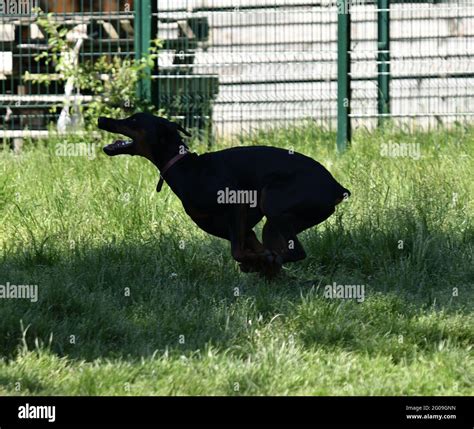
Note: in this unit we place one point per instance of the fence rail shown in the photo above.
(233, 66)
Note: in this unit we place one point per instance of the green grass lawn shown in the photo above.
(134, 299)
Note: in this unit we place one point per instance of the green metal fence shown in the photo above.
(411, 62)
(94, 28)
(231, 67)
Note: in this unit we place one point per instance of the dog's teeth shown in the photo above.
(118, 144)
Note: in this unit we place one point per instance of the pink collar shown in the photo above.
(167, 166)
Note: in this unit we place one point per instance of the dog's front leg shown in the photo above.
(238, 233)
(247, 250)
(243, 241)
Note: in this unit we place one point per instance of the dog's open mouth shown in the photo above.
(118, 147)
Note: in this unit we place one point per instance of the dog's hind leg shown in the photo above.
(279, 236)
(290, 209)
(280, 232)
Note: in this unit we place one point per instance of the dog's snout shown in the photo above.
(101, 122)
(107, 124)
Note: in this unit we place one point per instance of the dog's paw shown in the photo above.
(272, 266)
(273, 258)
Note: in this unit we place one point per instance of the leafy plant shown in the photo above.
(111, 80)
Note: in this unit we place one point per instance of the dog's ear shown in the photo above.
(176, 127)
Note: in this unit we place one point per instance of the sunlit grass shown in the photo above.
(135, 299)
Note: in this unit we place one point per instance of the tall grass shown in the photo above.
(135, 299)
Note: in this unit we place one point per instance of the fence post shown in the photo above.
(142, 40)
(343, 74)
(383, 60)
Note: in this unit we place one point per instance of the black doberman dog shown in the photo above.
(226, 193)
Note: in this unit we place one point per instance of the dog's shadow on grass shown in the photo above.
(133, 300)
(130, 300)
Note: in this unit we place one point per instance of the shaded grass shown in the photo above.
(135, 299)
